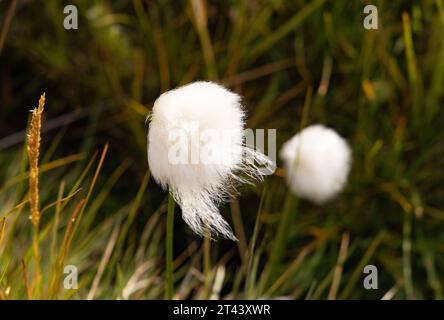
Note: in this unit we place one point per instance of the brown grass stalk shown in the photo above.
(33, 158)
(25, 278)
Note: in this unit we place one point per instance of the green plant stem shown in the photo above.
(169, 248)
(406, 255)
(288, 215)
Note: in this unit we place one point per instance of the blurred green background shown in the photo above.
(295, 63)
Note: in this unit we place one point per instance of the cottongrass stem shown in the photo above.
(317, 162)
(197, 151)
(33, 157)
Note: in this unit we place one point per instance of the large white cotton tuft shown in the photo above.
(317, 162)
(196, 150)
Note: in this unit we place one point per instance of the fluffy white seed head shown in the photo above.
(196, 150)
(317, 162)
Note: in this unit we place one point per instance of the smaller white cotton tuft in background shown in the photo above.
(317, 162)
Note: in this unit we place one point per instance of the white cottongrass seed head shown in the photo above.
(196, 150)
(317, 162)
